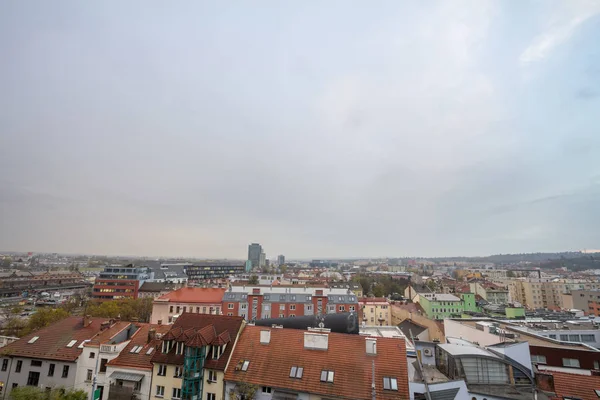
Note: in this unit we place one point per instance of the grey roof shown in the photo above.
(461, 350)
(286, 298)
(127, 376)
(445, 394)
(157, 286)
(407, 327)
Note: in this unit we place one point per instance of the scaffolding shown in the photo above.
(193, 373)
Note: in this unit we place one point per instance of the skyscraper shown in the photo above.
(280, 260)
(254, 254)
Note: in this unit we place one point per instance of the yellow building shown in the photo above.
(374, 311)
(546, 292)
(193, 357)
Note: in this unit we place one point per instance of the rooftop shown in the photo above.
(574, 385)
(271, 362)
(194, 295)
(140, 358)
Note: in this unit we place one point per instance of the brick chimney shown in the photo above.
(87, 320)
(151, 334)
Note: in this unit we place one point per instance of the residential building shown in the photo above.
(282, 302)
(490, 292)
(440, 306)
(157, 289)
(193, 357)
(262, 261)
(577, 331)
(586, 300)
(51, 356)
(280, 260)
(568, 383)
(166, 308)
(317, 364)
(254, 254)
(374, 311)
(546, 292)
(215, 270)
(130, 373)
(414, 312)
(353, 286)
(414, 291)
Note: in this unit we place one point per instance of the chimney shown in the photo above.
(371, 346)
(265, 337)
(151, 334)
(316, 341)
(87, 320)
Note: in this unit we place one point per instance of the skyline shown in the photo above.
(326, 130)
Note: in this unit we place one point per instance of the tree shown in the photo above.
(124, 309)
(34, 393)
(6, 262)
(431, 285)
(510, 274)
(283, 268)
(243, 391)
(42, 318)
(378, 291)
(253, 280)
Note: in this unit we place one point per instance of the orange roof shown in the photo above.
(107, 334)
(140, 359)
(574, 385)
(346, 356)
(195, 295)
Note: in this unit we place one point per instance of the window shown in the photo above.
(588, 338)
(89, 375)
(176, 393)
(92, 354)
(292, 307)
(36, 363)
(178, 372)
(5, 364)
(212, 376)
(211, 396)
(243, 365)
(160, 391)
(230, 306)
(281, 315)
(570, 362)
(65, 371)
(162, 370)
(216, 352)
(342, 308)
(552, 336)
(292, 315)
(51, 370)
(573, 338)
(564, 337)
(179, 348)
(14, 385)
(197, 310)
(177, 309)
(171, 309)
(19, 365)
(327, 376)
(390, 383)
(596, 365)
(33, 379)
(266, 389)
(103, 362)
(352, 308)
(535, 358)
(296, 372)
(184, 308)
(230, 314)
(309, 308)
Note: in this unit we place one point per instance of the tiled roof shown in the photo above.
(105, 335)
(346, 356)
(195, 295)
(53, 340)
(207, 329)
(140, 359)
(575, 385)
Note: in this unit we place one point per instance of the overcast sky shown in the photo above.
(319, 129)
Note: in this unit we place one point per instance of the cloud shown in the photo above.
(559, 28)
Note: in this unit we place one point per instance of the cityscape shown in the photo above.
(300, 200)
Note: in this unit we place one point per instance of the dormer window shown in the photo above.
(179, 346)
(217, 351)
(166, 346)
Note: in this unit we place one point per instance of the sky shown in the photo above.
(318, 129)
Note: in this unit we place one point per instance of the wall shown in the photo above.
(168, 381)
(375, 314)
(85, 362)
(215, 387)
(398, 315)
(161, 310)
(554, 356)
(518, 352)
(146, 384)
(458, 330)
(20, 378)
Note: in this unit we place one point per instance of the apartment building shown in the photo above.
(317, 364)
(585, 300)
(281, 302)
(490, 292)
(546, 292)
(166, 308)
(191, 361)
(52, 356)
(375, 311)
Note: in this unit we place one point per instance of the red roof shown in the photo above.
(270, 364)
(53, 340)
(140, 359)
(195, 295)
(574, 385)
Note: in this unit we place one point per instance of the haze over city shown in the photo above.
(317, 129)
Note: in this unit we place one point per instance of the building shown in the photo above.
(414, 331)
(254, 255)
(567, 383)
(375, 311)
(576, 331)
(253, 303)
(586, 300)
(440, 306)
(17, 283)
(353, 286)
(262, 262)
(317, 364)
(546, 292)
(280, 260)
(166, 308)
(414, 312)
(193, 357)
(490, 292)
(130, 373)
(157, 289)
(120, 282)
(214, 270)
(52, 356)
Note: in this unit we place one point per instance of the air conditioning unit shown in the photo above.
(428, 352)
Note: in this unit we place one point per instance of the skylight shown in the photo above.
(150, 350)
(33, 339)
(296, 372)
(139, 349)
(243, 365)
(134, 349)
(390, 383)
(71, 343)
(327, 376)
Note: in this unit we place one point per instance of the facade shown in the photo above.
(490, 292)
(273, 302)
(254, 254)
(586, 300)
(168, 307)
(317, 364)
(129, 374)
(440, 306)
(215, 270)
(546, 292)
(119, 282)
(280, 260)
(157, 289)
(375, 311)
(191, 361)
(50, 357)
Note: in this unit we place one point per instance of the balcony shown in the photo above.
(118, 392)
